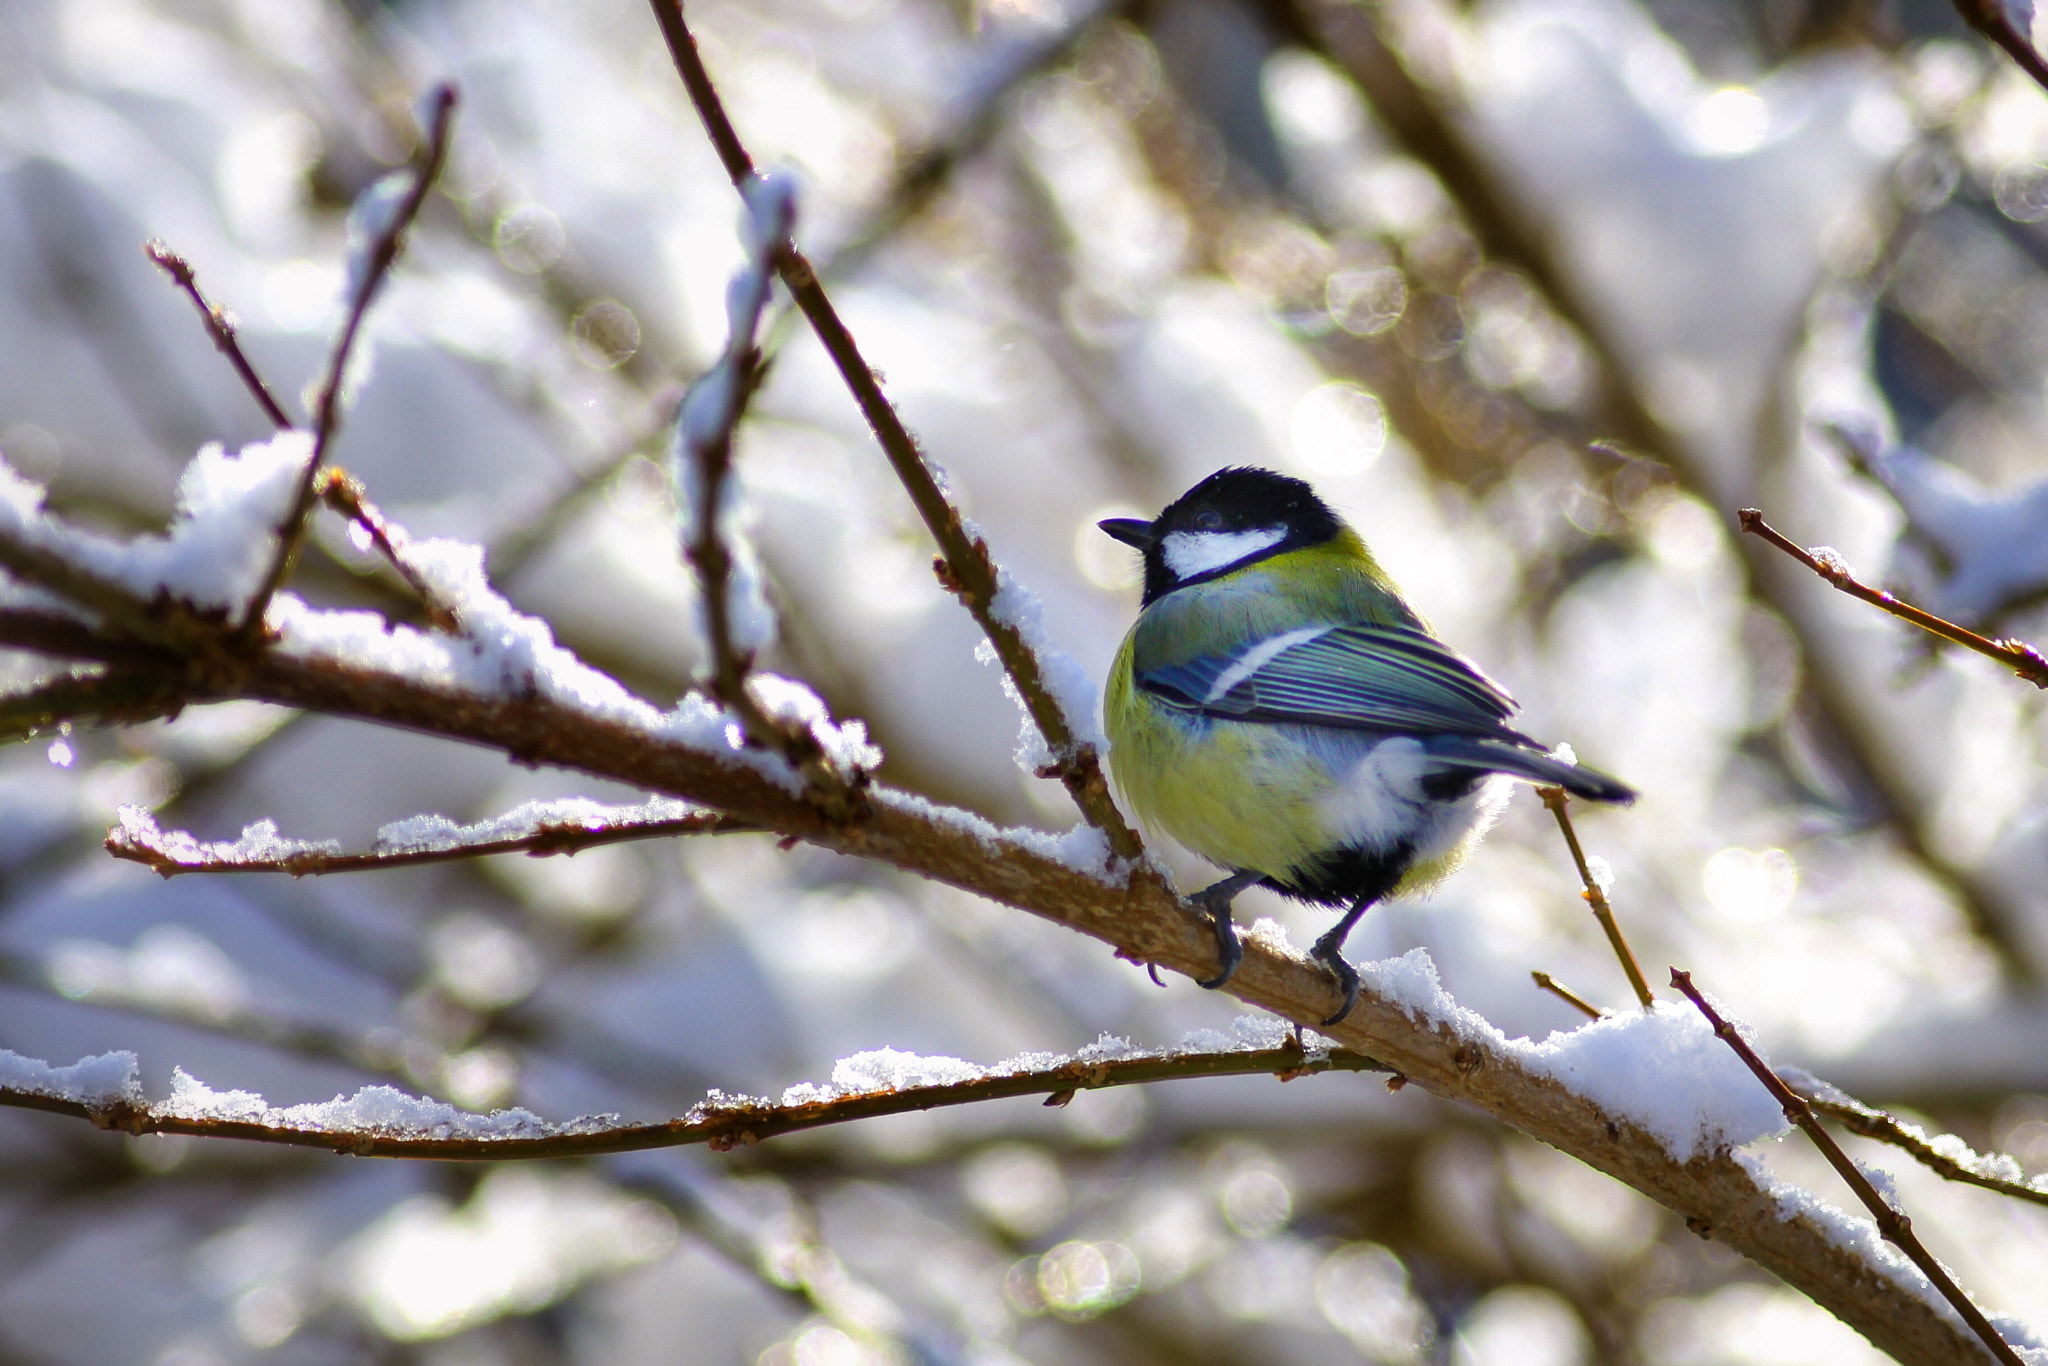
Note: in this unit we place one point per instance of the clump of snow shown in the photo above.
(384, 1111)
(1270, 934)
(1831, 560)
(789, 702)
(222, 534)
(416, 834)
(106, 1079)
(1062, 676)
(884, 1071)
(1602, 874)
(1082, 848)
(258, 843)
(1989, 550)
(1663, 1070)
(1245, 1034)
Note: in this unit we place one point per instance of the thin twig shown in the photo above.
(220, 325)
(1545, 982)
(376, 262)
(340, 491)
(1892, 1223)
(173, 852)
(1596, 895)
(2022, 658)
(722, 1123)
(1948, 1157)
(965, 565)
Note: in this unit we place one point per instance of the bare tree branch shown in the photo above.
(220, 325)
(1896, 1227)
(120, 695)
(721, 1122)
(1545, 982)
(2022, 658)
(1991, 19)
(1596, 897)
(380, 254)
(966, 567)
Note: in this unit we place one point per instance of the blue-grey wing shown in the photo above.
(1392, 678)
(1374, 678)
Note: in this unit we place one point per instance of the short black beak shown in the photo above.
(1130, 531)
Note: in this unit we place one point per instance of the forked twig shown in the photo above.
(1892, 1223)
(966, 566)
(341, 491)
(2022, 658)
(375, 262)
(1596, 895)
(220, 325)
(723, 1123)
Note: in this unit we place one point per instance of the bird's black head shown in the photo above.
(1231, 519)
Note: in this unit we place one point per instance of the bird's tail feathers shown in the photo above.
(1504, 756)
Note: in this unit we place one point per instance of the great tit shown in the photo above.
(1281, 710)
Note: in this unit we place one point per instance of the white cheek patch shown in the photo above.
(1192, 553)
(1259, 656)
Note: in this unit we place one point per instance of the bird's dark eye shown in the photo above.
(1208, 519)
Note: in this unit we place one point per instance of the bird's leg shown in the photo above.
(1329, 951)
(1216, 901)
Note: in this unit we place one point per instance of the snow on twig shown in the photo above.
(540, 828)
(220, 325)
(1944, 1154)
(2022, 658)
(210, 559)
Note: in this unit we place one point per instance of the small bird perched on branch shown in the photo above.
(1280, 709)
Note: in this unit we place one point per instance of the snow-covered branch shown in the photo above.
(537, 828)
(1891, 1222)
(381, 1121)
(1651, 1108)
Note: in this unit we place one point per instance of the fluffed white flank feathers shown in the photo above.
(1259, 656)
(1189, 553)
(1379, 803)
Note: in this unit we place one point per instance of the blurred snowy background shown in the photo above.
(1097, 253)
